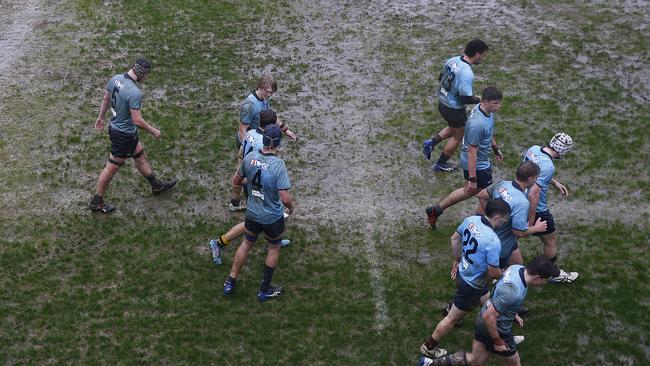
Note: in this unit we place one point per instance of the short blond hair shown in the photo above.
(267, 80)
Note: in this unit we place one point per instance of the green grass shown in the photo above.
(138, 287)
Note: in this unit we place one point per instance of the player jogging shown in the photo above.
(124, 97)
(560, 145)
(493, 325)
(476, 249)
(249, 119)
(268, 193)
(478, 144)
(454, 92)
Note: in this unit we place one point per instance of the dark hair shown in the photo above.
(543, 267)
(497, 206)
(491, 93)
(267, 117)
(526, 170)
(475, 46)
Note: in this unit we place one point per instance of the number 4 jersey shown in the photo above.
(481, 248)
(266, 174)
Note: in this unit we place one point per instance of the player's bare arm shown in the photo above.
(454, 242)
(287, 200)
(136, 115)
(285, 129)
(561, 187)
(533, 197)
(490, 317)
(472, 152)
(99, 124)
(494, 272)
(539, 227)
(242, 131)
(483, 198)
(497, 152)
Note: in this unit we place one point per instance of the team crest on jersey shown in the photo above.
(532, 157)
(504, 194)
(259, 164)
(474, 230)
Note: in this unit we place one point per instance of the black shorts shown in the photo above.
(550, 223)
(274, 230)
(467, 297)
(456, 118)
(483, 177)
(122, 144)
(503, 261)
(481, 334)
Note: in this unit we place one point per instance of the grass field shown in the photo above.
(364, 276)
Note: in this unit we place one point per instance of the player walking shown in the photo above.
(478, 144)
(268, 192)
(125, 99)
(560, 145)
(477, 256)
(454, 92)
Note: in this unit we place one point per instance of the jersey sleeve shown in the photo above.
(283, 178)
(490, 189)
(519, 216)
(461, 227)
(109, 83)
(135, 100)
(246, 113)
(545, 176)
(241, 171)
(505, 296)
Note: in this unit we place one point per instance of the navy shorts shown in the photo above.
(122, 144)
(456, 118)
(274, 230)
(483, 177)
(481, 334)
(550, 223)
(467, 297)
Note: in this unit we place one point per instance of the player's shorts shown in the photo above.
(481, 334)
(550, 223)
(467, 297)
(483, 177)
(503, 261)
(274, 230)
(456, 118)
(122, 144)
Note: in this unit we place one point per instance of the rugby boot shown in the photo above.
(166, 186)
(101, 207)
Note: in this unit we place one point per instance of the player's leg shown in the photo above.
(143, 166)
(479, 355)
(250, 236)
(550, 245)
(513, 360)
(273, 234)
(456, 119)
(515, 257)
(97, 203)
(235, 190)
(430, 347)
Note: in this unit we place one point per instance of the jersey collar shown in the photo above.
(126, 75)
(485, 114)
(259, 130)
(258, 98)
(486, 222)
(523, 278)
(462, 58)
(544, 152)
(517, 186)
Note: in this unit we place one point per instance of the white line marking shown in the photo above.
(381, 309)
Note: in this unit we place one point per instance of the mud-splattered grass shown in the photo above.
(356, 84)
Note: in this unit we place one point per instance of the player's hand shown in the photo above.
(155, 133)
(472, 186)
(562, 188)
(454, 270)
(500, 345)
(540, 226)
(498, 154)
(519, 321)
(291, 135)
(290, 209)
(99, 124)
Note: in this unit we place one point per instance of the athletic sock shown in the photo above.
(235, 202)
(223, 240)
(554, 259)
(232, 280)
(266, 279)
(442, 159)
(155, 183)
(436, 138)
(431, 343)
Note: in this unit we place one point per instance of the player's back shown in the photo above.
(124, 96)
(251, 108)
(252, 141)
(481, 247)
(478, 132)
(513, 194)
(547, 169)
(456, 79)
(507, 296)
(266, 174)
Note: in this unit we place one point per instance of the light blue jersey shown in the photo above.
(481, 248)
(507, 296)
(252, 141)
(514, 195)
(478, 132)
(249, 113)
(456, 79)
(547, 170)
(266, 175)
(125, 95)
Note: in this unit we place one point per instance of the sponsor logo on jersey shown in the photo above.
(119, 84)
(504, 194)
(532, 157)
(259, 164)
(474, 230)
